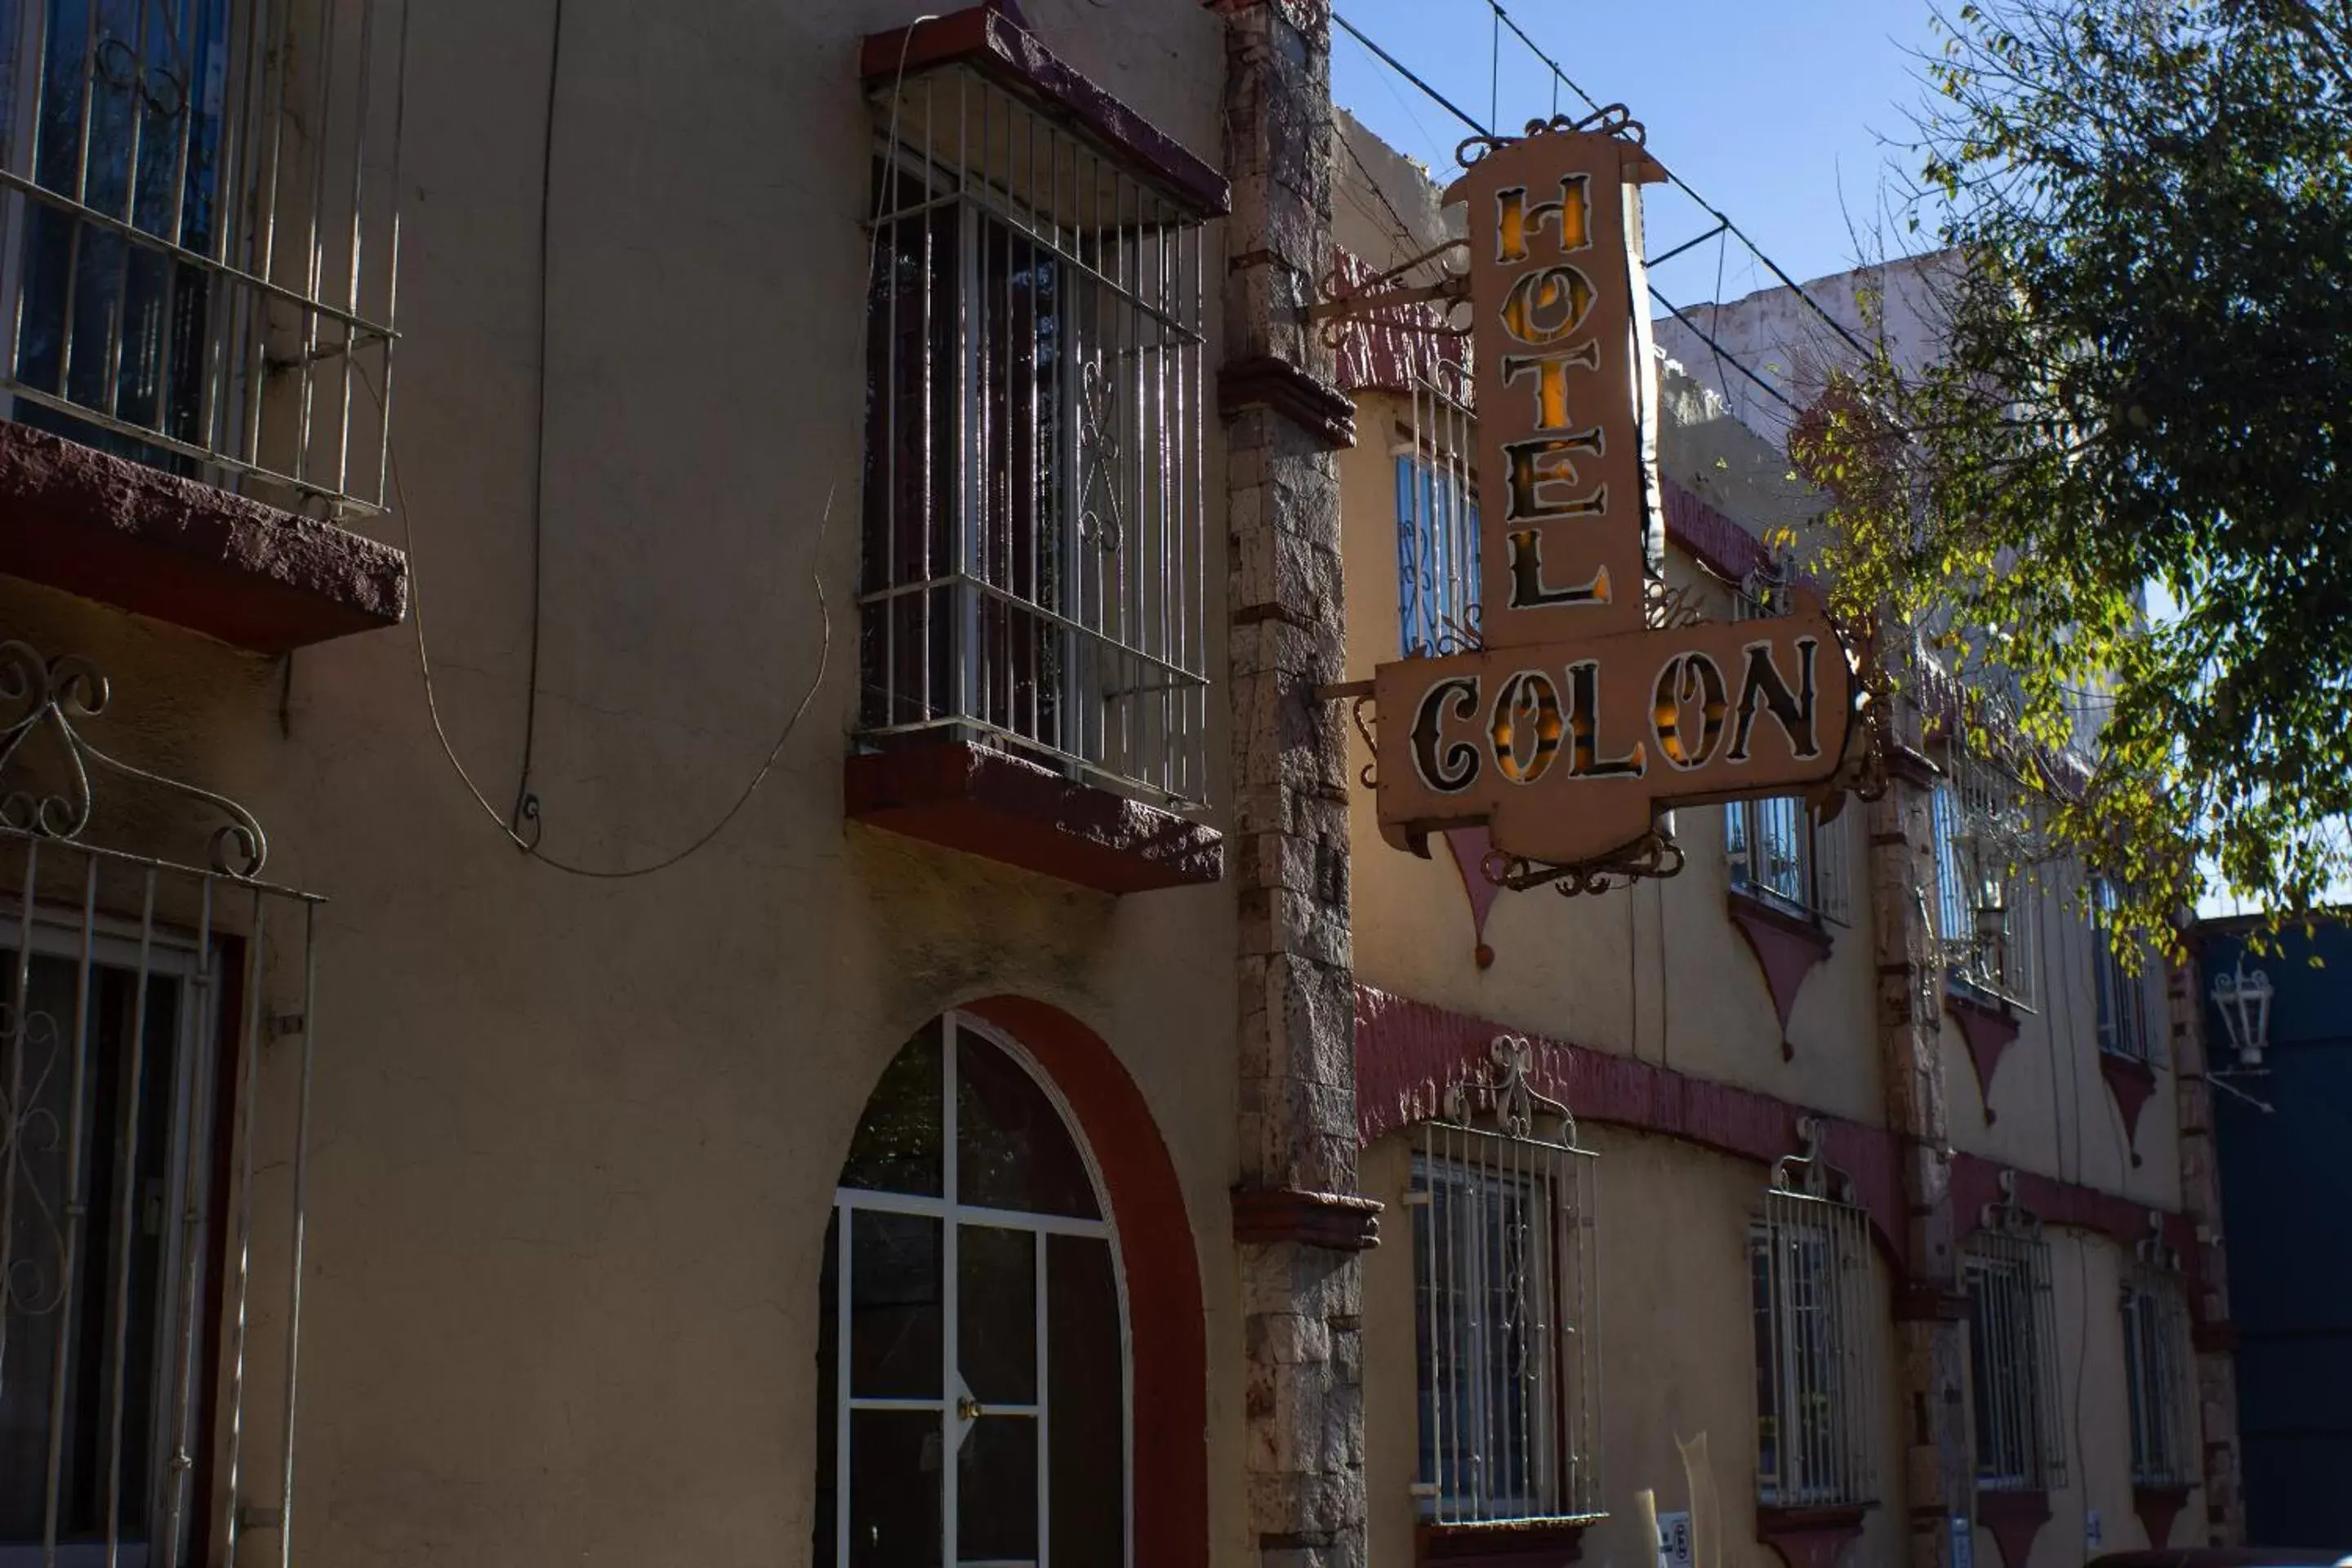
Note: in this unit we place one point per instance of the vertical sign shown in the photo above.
(1674, 1549)
(1575, 721)
(1561, 388)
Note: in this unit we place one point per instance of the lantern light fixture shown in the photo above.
(2243, 1000)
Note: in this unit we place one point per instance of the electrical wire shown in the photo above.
(526, 805)
(506, 826)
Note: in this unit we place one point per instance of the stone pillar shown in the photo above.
(1936, 1466)
(1298, 1220)
(2208, 1308)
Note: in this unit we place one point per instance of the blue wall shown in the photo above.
(2286, 1218)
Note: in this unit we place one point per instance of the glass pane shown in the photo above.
(996, 1493)
(896, 1149)
(1086, 1433)
(996, 1274)
(894, 1489)
(895, 1320)
(1011, 1149)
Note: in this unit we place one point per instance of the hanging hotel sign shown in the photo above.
(1577, 722)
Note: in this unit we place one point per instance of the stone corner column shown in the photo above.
(2208, 1280)
(1936, 1465)
(1298, 1223)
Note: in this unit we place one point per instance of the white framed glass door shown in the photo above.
(974, 1384)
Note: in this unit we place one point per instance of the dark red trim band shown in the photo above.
(995, 43)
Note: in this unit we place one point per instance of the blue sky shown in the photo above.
(1775, 109)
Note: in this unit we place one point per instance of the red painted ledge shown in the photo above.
(1522, 1544)
(985, 802)
(106, 528)
(2132, 1083)
(992, 39)
(2157, 1507)
(1990, 1028)
(1810, 1537)
(2013, 1519)
(1787, 948)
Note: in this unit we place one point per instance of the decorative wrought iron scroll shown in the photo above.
(51, 698)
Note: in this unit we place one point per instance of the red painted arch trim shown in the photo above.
(1165, 1325)
(1407, 1052)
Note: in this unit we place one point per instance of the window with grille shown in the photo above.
(2012, 1360)
(1501, 1204)
(2156, 1380)
(1780, 851)
(1034, 573)
(1809, 1279)
(199, 200)
(2122, 998)
(1437, 529)
(1984, 906)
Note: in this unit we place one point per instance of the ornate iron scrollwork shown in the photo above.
(52, 697)
(1653, 855)
(1808, 1174)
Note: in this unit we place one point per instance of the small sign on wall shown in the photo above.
(1675, 1550)
(2093, 1536)
(1964, 1544)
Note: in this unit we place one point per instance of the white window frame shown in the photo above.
(2013, 1401)
(2121, 993)
(1438, 544)
(2002, 967)
(1805, 870)
(952, 1400)
(2158, 1387)
(187, 1285)
(1812, 1339)
(1505, 1319)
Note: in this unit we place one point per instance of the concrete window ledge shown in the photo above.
(1810, 1537)
(1518, 1544)
(108, 528)
(985, 802)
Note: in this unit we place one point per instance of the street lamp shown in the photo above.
(2244, 1001)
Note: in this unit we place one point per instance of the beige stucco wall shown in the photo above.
(576, 1140)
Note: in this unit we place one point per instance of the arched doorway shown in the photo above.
(975, 1380)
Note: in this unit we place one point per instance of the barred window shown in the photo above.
(198, 201)
(1437, 529)
(1984, 910)
(1809, 1278)
(2123, 1000)
(1781, 852)
(1503, 1320)
(2156, 1380)
(2021, 1442)
(1034, 575)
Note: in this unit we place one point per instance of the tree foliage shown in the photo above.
(2127, 475)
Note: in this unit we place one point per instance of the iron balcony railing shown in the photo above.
(199, 235)
(1035, 574)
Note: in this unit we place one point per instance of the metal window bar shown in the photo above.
(1036, 557)
(1502, 1203)
(1437, 527)
(1973, 798)
(2159, 1380)
(2122, 997)
(1815, 1377)
(158, 1036)
(199, 233)
(2012, 1343)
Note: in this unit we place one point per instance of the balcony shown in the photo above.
(197, 222)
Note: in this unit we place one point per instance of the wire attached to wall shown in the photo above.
(526, 805)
